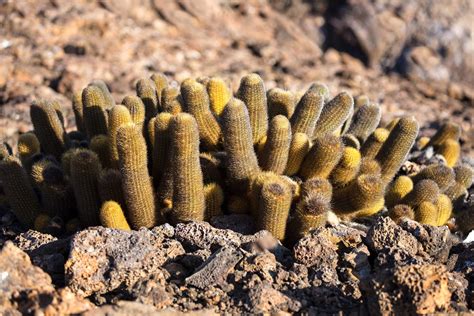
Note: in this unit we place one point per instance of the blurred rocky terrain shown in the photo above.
(414, 57)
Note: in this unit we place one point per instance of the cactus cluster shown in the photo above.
(191, 153)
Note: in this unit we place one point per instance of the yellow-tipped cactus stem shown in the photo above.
(456, 192)
(308, 111)
(350, 140)
(441, 174)
(280, 102)
(274, 208)
(400, 211)
(95, 115)
(171, 100)
(369, 166)
(78, 110)
(118, 116)
(237, 204)
(161, 145)
(161, 82)
(275, 152)
(322, 157)
(48, 128)
(451, 151)
(423, 191)
(18, 190)
(188, 187)
(397, 146)
(214, 196)
(374, 142)
(365, 121)
(422, 142)
(255, 187)
(112, 216)
(146, 90)
(57, 195)
(41, 222)
(136, 183)
(347, 168)
(371, 209)
(37, 170)
(110, 187)
(241, 159)
(447, 131)
(85, 169)
(252, 92)
(445, 209)
(427, 213)
(28, 146)
(109, 100)
(219, 94)
(136, 108)
(299, 147)
(100, 145)
(319, 186)
(334, 114)
(398, 190)
(196, 102)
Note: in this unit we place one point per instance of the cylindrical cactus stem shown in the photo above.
(451, 151)
(146, 90)
(280, 102)
(456, 192)
(299, 147)
(274, 207)
(397, 146)
(4, 150)
(241, 158)
(464, 175)
(398, 190)
(445, 209)
(422, 142)
(48, 128)
(237, 204)
(427, 213)
(439, 173)
(275, 152)
(361, 101)
(447, 131)
(252, 92)
(350, 140)
(319, 186)
(66, 161)
(57, 195)
(322, 157)
(100, 144)
(196, 102)
(424, 190)
(39, 164)
(214, 196)
(171, 100)
(28, 146)
(136, 182)
(211, 168)
(109, 100)
(95, 115)
(161, 146)
(161, 82)
(219, 94)
(400, 211)
(374, 142)
(334, 114)
(85, 169)
(365, 121)
(347, 168)
(118, 116)
(255, 187)
(19, 191)
(110, 187)
(371, 209)
(188, 187)
(136, 108)
(308, 111)
(392, 124)
(369, 166)
(78, 110)
(112, 216)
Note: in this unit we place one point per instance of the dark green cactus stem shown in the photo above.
(85, 169)
(161, 146)
(48, 128)
(322, 158)
(109, 100)
(441, 174)
(146, 90)
(196, 102)
(161, 82)
(307, 111)
(188, 186)
(112, 216)
(275, 152)
(78, 110)
(365, 121)
(280, 102)
(252, 93)
(110, 187)
(334, 114)
(136, 182)
(18, 190)
(397, 146)
(95, 115)
(171, 100)
(136, 108)
(241, 159)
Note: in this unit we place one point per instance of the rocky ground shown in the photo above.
(413, 57)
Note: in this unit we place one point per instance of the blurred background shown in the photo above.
(413, 57)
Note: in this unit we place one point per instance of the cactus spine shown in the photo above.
(136, 108)
(334, 114)
(28, 146)
(308, 111)
(322, 157)
(136, 182)
(171, 100)
(160, 84)
(365, 121)
(112, 216)
(445, 208)
(95, 115)
(18, 190)
(146, 91)
(108, 99)
(188, 190)
(350, 140)
(275, 152)
(219, 94)
(400, 211)
(299, 147)
(441, 174)
(398, 190)
(424, 191)
(280, 102)
(252, 93)
(118, 116)
(214, 196)
(347, 168)
(374, 142)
